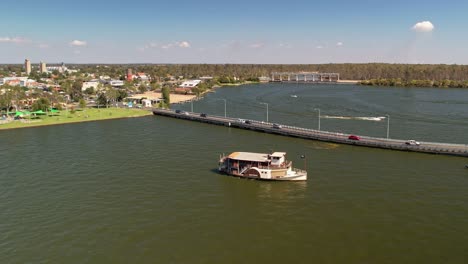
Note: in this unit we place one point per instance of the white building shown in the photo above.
(90, 84)
(116, 83)
(13, 80)
(190, 84)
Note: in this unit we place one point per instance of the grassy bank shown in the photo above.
(64, 117)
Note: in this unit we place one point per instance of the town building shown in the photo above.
(129, 75)
(116, 83)
(27, 66)
(42, 67)
(142, 77)
(90, 84)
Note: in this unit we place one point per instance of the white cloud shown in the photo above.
(339, 44)
(423, 26)
(319, 47)
(13, 40)
(257, 45)
(176, 44)
(78, 43)
(183, 44)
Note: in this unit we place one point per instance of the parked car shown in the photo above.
(277, 126)
(178, 111)
(203, 115)
(241, 120)
(354, 137)
(412, 143)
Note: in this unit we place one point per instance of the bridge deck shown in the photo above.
(384, 143)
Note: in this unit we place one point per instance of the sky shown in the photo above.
(241, 31)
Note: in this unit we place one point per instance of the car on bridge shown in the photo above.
(277, 126)
(412, 143)
(203, 115)
(354, 137)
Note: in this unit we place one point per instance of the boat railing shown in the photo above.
(299, 170)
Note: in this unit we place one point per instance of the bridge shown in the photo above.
(304, 77)
(305, 133)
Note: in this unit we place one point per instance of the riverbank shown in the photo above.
(66, 117)
(175, 98)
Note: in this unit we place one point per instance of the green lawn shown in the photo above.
(88, 114)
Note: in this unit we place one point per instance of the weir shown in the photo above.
(305, 133)
(305, 77)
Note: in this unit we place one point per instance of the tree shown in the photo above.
(82, 103)
(12, 96)
(6, 99)
(154, 86)
(89, 91)
(166, 95)
(142, 88)
(76, 93)
(102, 99)
(111, 94)
(41, 104)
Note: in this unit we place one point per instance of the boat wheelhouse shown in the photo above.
(261, 166)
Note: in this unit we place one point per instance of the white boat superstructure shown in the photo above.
(261, 166)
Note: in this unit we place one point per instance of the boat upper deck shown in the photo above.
(249, 156)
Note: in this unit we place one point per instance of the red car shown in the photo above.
(354, 137)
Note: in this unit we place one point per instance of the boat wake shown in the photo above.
(377, 119)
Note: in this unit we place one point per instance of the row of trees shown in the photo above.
(416, 83)
(350, 71)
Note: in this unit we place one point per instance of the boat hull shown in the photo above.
(299, 176)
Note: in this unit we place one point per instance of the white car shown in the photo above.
(412, 143)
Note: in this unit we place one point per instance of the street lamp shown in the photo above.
(224, 106)
(191, 102)
(388, 125)
(267, 110)
(318, 117)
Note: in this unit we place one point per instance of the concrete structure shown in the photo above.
(305, 133)
(304, 77)
(27, 66)
(42, 67)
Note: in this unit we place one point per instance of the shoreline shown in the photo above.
(78, 119)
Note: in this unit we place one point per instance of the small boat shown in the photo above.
(293, 95)
(466, 166)
(261, 166)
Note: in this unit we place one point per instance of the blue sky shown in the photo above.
(208, 31)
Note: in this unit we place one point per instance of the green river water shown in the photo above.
(146, 190)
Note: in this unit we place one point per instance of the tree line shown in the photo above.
(347, 71)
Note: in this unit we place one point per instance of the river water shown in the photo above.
(146, 190)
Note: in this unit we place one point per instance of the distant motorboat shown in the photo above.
(293, 95)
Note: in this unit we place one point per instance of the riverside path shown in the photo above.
(285, 130)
